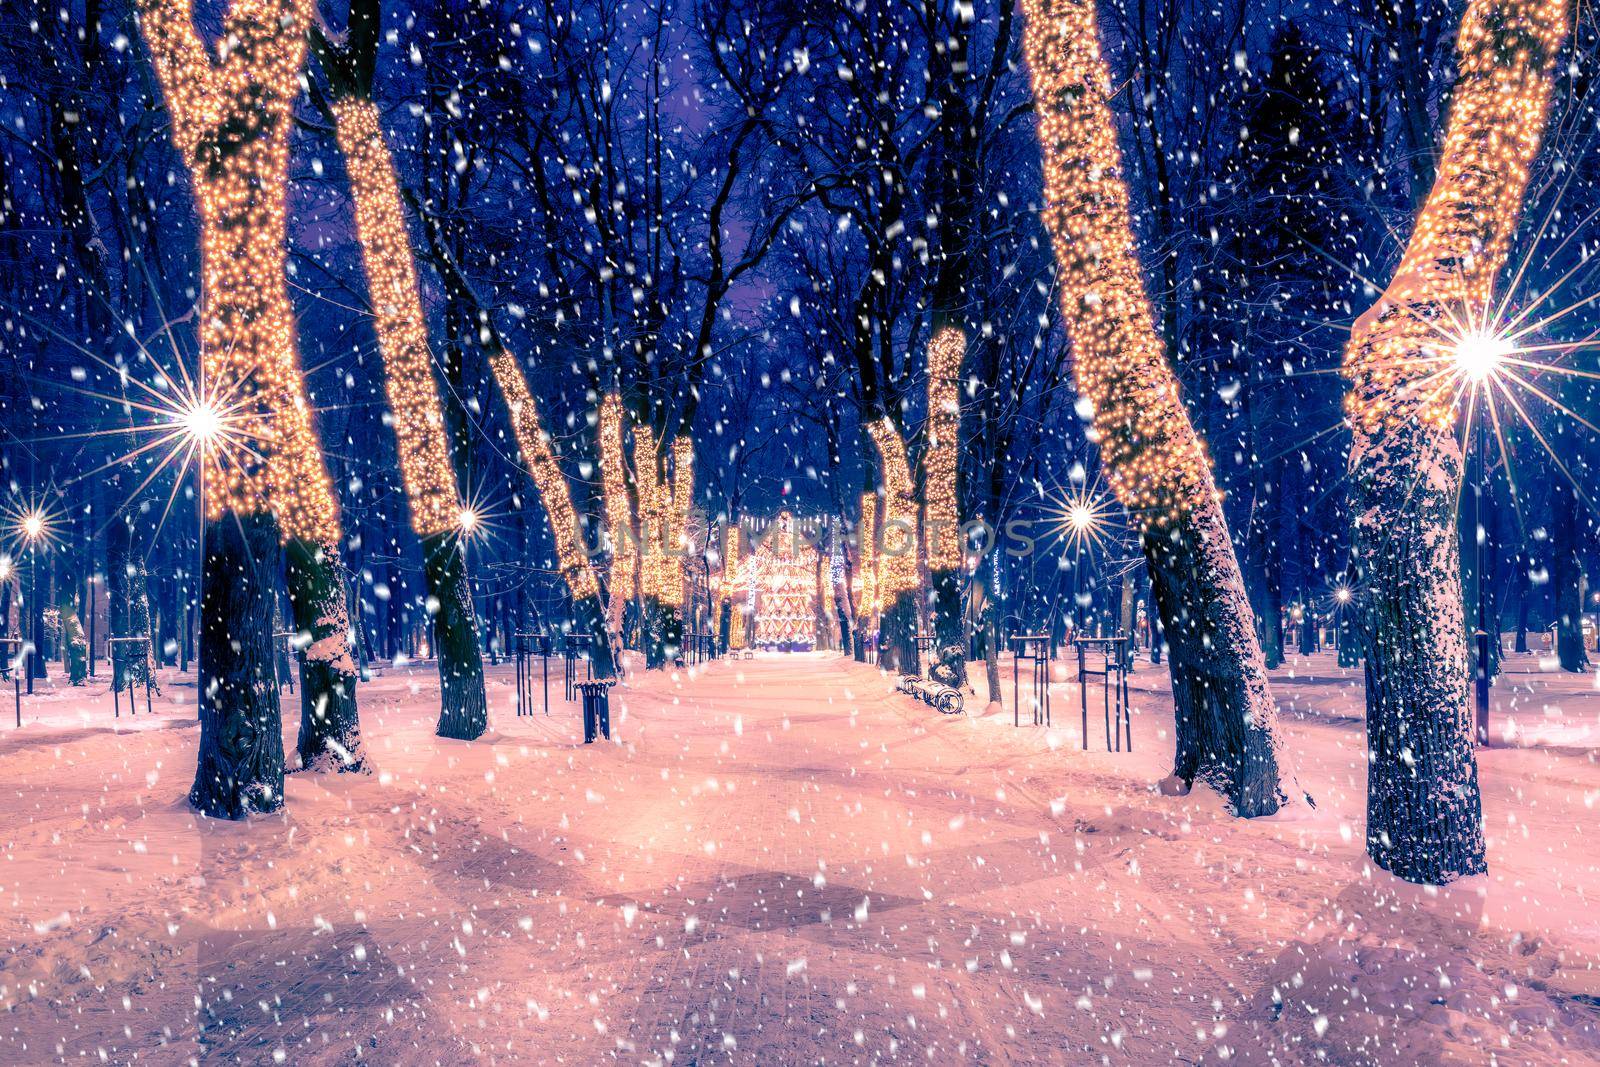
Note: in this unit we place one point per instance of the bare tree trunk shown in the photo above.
(240, 769)
(464, 710)
(330, 730)
(1154, 460)
(1424, 818)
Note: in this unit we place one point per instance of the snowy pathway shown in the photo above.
(782, 861)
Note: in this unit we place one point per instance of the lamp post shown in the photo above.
(32, 527)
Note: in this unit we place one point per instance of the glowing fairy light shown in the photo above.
(1081, 518)
(467, 520)
(231, 119)
(1441, 294)
(940, 459)
(7, 568)
(676, 524)
(545, 469)
(1480, 356)
(897, 569)
(1342, 594)
(655, 501)
(202, 423)
(425, 468)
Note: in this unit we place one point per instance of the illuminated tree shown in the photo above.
(866, 579)
(621, 533)
(1406, 361)
(426, 472)
(231, 120)
(941, 516)
(565, 523)
(1155, 462)
(730, 589)
(895, 553)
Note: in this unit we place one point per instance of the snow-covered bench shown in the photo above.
(936, 694)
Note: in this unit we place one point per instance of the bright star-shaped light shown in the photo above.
(33, 525)
(201, 422)
(468, 519)
(1342, 594)
(1479, 355)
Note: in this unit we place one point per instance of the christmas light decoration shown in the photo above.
(945, 353)
(655, 505)
(554, 493)
(897, 550)
(1153, 459)
(230, 121)
(866, 583)
(1430, 339)
(425, 468)
(675, 531)
(1434, 321)
(785, 579)
(614, 482)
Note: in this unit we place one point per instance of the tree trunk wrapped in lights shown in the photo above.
(426, 471)
(675, 545)
(942, 519)
(1226, 720)
(896, 552)
(866, 591)
(1424, 820)
(425, 468)
(231, 122)
(623, 579)
(565, 523)
(655, 501)
(731, 586)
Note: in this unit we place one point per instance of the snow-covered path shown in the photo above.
(780, 861)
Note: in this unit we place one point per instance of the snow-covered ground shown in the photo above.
(782, 860)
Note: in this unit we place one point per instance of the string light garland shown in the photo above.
(897, 568)
(554, 493)
(1154, 461)
(231, 121)
(614, 487)
(425, 468)
(939, 462)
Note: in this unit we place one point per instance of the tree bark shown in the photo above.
(1566, 577)
(240, 769)
(330, 729)
(464, 710)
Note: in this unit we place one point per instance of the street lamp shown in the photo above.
(33, 526)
